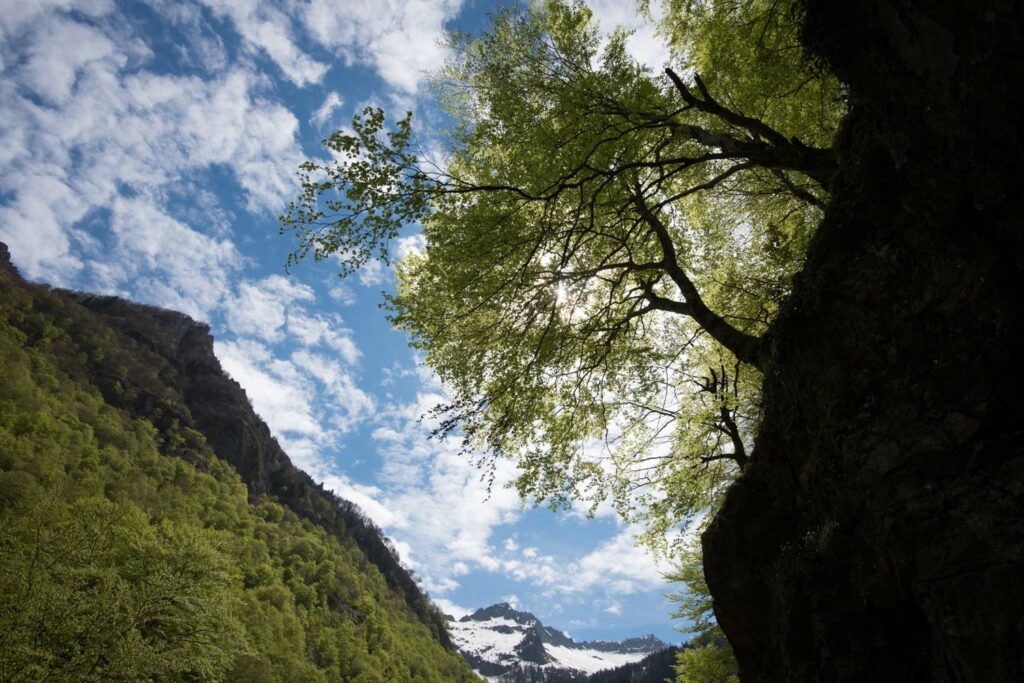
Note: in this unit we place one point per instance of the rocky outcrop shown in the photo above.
(531, 648)
(6, 265)
(878, 534)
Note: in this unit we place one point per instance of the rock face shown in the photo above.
(505, 644)
(878, 534)
(178, 379)
(6, 265)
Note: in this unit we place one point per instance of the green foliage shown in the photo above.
(91, 591)
(695, 604)
(370, 206)
(750, 55)
(132, 553)
(707, 657)
(706, 664)
(605, 247)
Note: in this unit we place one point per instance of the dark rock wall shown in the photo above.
(879, 532)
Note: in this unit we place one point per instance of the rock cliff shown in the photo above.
(879, 532)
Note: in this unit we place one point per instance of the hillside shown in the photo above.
(152, 529)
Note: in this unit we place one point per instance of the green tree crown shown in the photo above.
(606, 247)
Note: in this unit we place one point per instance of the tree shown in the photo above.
(91, 591)
(706, 657)
(606, 247)
(874, 533)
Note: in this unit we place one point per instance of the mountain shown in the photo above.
(504, 644)
(151, 528)
(657, 667)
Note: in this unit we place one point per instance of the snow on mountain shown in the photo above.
(503, 644)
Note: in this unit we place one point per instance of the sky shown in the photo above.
(146, 150)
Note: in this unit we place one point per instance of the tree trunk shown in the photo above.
(878, 532)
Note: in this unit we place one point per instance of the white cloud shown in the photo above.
(343, 294)
(350, 404)
(202, 47)
(399, 38)
(106, 129)
(542, 570)
(323, 113)
(307, 397)
(643, 45)
(439, 585)
(368, 499)
(455, 521)
(57, 57)
(166, 262)
(371, 274)
(268, 28)
(16, 14)
(296, 367)
(35, 226)
(442, 490)
(311, 330)
(279, 391)
(450, 608)
(413, 244)
(225, 124)
(260, 308)
(618, 565)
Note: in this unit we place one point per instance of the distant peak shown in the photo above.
(499, 610)
(646, 643)
(504, 643)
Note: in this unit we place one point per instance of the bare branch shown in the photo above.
(718, 386)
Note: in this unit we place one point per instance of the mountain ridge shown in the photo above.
(117, 414)
(505, 644)
(220, 409)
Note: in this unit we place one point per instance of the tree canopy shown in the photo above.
(606, 246)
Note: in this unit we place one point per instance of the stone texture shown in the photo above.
(879, 532)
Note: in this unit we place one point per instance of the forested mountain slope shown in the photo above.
(151, 528)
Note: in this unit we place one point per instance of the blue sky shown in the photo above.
(146, 149)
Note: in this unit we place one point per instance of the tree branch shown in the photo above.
(746, 347)
(797, 192)
(717, 386)
(767, 147)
